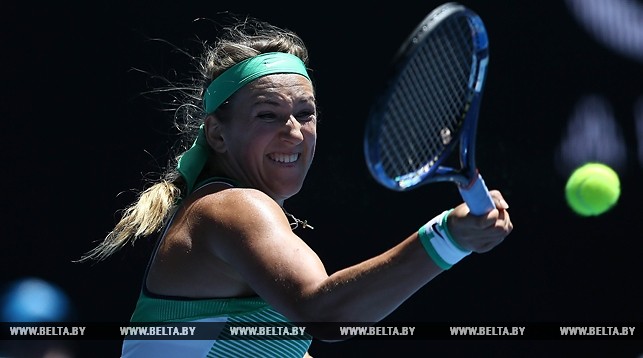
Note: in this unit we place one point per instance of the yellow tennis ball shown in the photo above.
(592, 189)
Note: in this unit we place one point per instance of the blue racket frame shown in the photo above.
(468, 179)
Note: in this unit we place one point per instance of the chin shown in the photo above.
(289, 191)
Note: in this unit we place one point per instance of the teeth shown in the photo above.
(284, 158)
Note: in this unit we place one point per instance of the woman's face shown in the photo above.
(271, 133)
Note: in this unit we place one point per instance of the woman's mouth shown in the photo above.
(284, 158)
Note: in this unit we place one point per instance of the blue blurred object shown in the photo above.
(34, 300)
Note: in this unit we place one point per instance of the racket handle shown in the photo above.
(477, 197)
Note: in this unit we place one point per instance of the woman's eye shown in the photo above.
(303, 116)
(267, 116)
(306, 116)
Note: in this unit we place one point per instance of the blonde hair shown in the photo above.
(241, 40)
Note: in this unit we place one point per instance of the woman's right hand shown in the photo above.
(480, 233)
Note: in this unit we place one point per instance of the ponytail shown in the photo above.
(142, 218)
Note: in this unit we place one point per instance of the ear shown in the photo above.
(214, 133)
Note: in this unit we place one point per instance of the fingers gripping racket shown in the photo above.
(430, 108)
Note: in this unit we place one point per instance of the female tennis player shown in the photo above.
(226, 251)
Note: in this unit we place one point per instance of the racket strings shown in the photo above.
(429, 100)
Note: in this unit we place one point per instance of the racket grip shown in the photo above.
(477, 196)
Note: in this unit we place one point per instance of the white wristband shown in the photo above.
(439, 244)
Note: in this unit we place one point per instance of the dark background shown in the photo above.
(77, 131)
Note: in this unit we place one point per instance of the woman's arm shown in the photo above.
(249, 231)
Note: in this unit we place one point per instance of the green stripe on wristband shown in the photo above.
(439, 244)
(425, 238)
(445, 228)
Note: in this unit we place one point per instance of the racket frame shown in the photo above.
(468, 179)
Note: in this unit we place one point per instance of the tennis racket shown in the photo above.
(430, 108)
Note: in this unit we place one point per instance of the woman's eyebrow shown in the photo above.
(274, 102)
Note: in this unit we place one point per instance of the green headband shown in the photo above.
(248, 70)
(192, 161)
